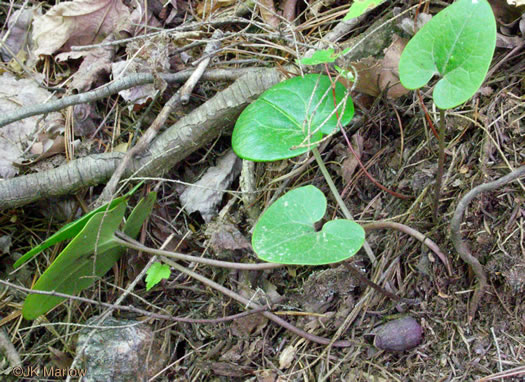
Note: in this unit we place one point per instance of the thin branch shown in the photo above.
(128, 242)
(412, 232)
(117, 86)
(130, 308)
(181, 96)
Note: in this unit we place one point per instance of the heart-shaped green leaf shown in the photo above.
(72, 229)
(458, 44)
(285, 233)
(291, 113)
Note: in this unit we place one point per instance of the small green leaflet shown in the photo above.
(361, 6)
(156, 273)
(322, 57)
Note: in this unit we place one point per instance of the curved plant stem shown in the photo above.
(278, 320)
(441, 164)
(412, 232)
(128, 242)
(461, 246)
(338, 198)
(361, 165)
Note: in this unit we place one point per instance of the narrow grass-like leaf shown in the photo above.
(72, 229)
(139, 214)
(361, 6)
(76, 267)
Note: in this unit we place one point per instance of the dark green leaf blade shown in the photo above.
(75, 267)
(286, 115)
(72, 229)
(285, 233)
(458, 44)
(141, 211)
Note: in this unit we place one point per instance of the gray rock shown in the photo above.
(125, 351)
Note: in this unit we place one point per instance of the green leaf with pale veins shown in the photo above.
(458, 45)
(285, 233)
(292, 113)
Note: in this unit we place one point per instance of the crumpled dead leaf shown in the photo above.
(205, 195)
(375, 76)
(287, 356)
(268, 12)
(17, 33)
(78, 22)
(248, 325)
(16, 137)
(147, 56)
(95, 66)
(225, 236)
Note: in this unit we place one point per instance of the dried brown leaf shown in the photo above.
(225, 236)
(268, 12)
(78, 22)
(286, 357)
(95, 66)
(17, 33)
(17, 136)
(248, 325)
(205, 195)
(375, 76)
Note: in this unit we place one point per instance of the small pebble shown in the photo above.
(398, 335)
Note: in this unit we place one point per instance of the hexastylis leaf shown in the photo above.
(285, 233)
(292, 113)
(458, 44)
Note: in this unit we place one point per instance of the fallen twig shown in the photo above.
(181, 96)
(187, 135)
(117, 86)
(461, 246)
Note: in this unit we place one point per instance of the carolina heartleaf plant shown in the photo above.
(287, 120)
(457, 45)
